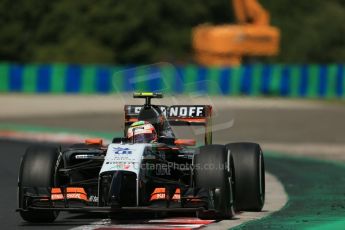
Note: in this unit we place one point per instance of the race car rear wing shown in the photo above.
(178, 115)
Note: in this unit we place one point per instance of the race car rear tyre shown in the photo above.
(38, 169)
(249, 176)
(212, 172)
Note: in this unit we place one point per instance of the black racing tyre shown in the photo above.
(249, 176)
(212, 172)
(38, 169)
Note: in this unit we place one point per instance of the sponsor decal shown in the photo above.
(121, 165)
(120, 150)
(56, 197)
(172, 111)
(74, 196)
(186, 111)
(93, 199)
(84, 156)
(126, 166)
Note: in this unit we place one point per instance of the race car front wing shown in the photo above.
(37, 198)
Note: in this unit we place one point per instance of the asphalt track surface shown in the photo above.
(316, 189)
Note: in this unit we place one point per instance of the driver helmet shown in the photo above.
(142, 132)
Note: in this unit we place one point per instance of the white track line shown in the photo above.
(168, 223)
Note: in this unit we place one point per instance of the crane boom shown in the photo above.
(250, 12)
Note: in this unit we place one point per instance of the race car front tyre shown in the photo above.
(38, 169)
(212, 173)
(249, 176)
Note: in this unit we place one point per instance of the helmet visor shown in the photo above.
(144, 138)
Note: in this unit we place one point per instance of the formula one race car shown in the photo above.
(163, 175)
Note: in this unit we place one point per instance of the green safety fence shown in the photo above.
(310, 81)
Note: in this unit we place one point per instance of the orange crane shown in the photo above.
(226, 45)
